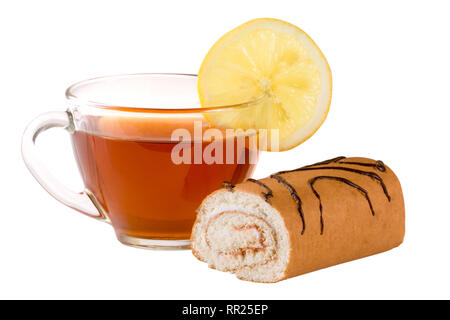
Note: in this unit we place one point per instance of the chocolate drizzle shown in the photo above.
(372, 175)
(228, 185)
(379, 165)
(346, 181)
(294, 196)
(266, 195)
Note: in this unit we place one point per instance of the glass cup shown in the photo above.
(147, 154)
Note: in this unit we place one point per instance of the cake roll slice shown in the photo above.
(301, 220)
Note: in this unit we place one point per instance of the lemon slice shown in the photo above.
(278, 66)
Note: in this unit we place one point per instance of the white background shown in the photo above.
(390, 64)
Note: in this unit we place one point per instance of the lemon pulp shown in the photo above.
(276, 64)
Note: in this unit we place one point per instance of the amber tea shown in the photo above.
(144, 166)
(141, 189)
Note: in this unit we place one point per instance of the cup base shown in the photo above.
(154, 244)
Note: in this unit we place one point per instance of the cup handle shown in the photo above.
(80, 201)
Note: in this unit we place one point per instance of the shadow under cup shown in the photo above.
(148, 155)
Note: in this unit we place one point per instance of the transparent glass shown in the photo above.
(141, 143)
